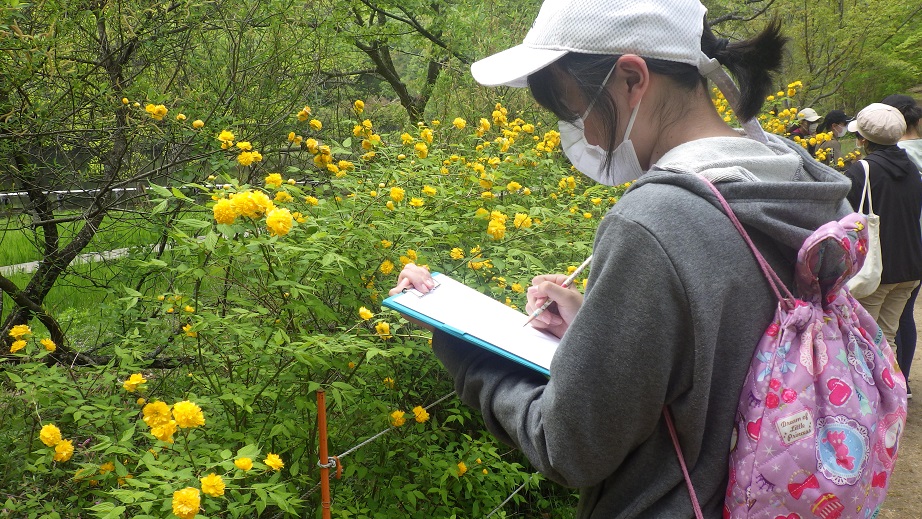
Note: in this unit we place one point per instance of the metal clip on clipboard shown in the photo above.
(417, 293)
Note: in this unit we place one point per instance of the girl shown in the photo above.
(675, 302)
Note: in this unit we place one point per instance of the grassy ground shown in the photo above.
(19, 243)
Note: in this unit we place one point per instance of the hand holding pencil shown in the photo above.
(553, 288)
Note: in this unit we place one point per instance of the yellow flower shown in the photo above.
(63, 450)
(279, 221)
(246, 158)
(188, 329)
(180, 117)
(513, 186)
(274, 180)
(429, 191)
(188, 309)
(226, 137)
(213, 485)
(420, 414)
(517, 288)
(459, 123)
(282, 197)
(20, 330)
(17, 345)
(274, 462)
(422, 151)
(224, 211)
(156, 414)
(390, 205)
(188, 415)
(251, 204)
(186, 503)
(198, 124)
(457, 253)
(106, 467)
(397, 193)
(50, 435)
(316, 125)
(426, 135)
(521, 221)
(587, 215)
(311, 200)
(358, 106)
(397, 418)
(406, 138)
(386, 267)
(125, 101)
(417, 202)
(389, 382)
(365, 313)
(462, 468)
(164, 432)
(383, 330)
(135, 380)
(496, 229)
(243, 463)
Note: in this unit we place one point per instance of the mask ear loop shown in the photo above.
(599, 92)
(712, 69)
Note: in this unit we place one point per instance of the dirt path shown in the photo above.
(904, 499)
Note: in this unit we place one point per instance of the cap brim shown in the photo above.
(512, 67)
(813, 119)
(853, 126)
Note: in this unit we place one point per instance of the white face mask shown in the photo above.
(588, 159)
(841, 131)
(812, 127)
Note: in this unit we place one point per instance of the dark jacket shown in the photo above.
(896, 189)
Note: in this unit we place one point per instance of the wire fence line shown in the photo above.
(334, 461)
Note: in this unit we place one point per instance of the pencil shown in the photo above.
(566, 283)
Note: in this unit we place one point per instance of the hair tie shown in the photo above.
(721, 45)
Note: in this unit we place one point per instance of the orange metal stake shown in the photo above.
(324, 455)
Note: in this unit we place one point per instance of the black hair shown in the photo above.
(911, 111)
(752, 62)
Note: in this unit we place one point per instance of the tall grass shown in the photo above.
(20, 243)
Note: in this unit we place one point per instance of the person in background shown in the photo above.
(912, 143)
(807, 124)
(896, 190)
(660, 322)
(835, 122)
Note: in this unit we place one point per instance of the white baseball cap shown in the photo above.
(663, 29)
(879, 123)
(809, 114)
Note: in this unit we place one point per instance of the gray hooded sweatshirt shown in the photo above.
(674, 307)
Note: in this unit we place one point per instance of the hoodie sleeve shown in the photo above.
(629, 350)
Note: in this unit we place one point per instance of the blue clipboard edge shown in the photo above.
(391, 303)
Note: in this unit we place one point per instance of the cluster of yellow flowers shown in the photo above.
(50, 435)
(163, 420)
(419, 414)
(20, 332)
(254, 204)
(158, 112)
(247, 154)
(187, 501)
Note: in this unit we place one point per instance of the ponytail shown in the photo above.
(752, 62)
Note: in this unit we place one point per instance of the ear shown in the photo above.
(632, 78)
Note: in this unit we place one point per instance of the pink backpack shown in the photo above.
(824, 403)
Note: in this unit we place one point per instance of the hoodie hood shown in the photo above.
(774, 188)
(894, 161)
(913, 148)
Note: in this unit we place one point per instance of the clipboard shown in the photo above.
(478, 319)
